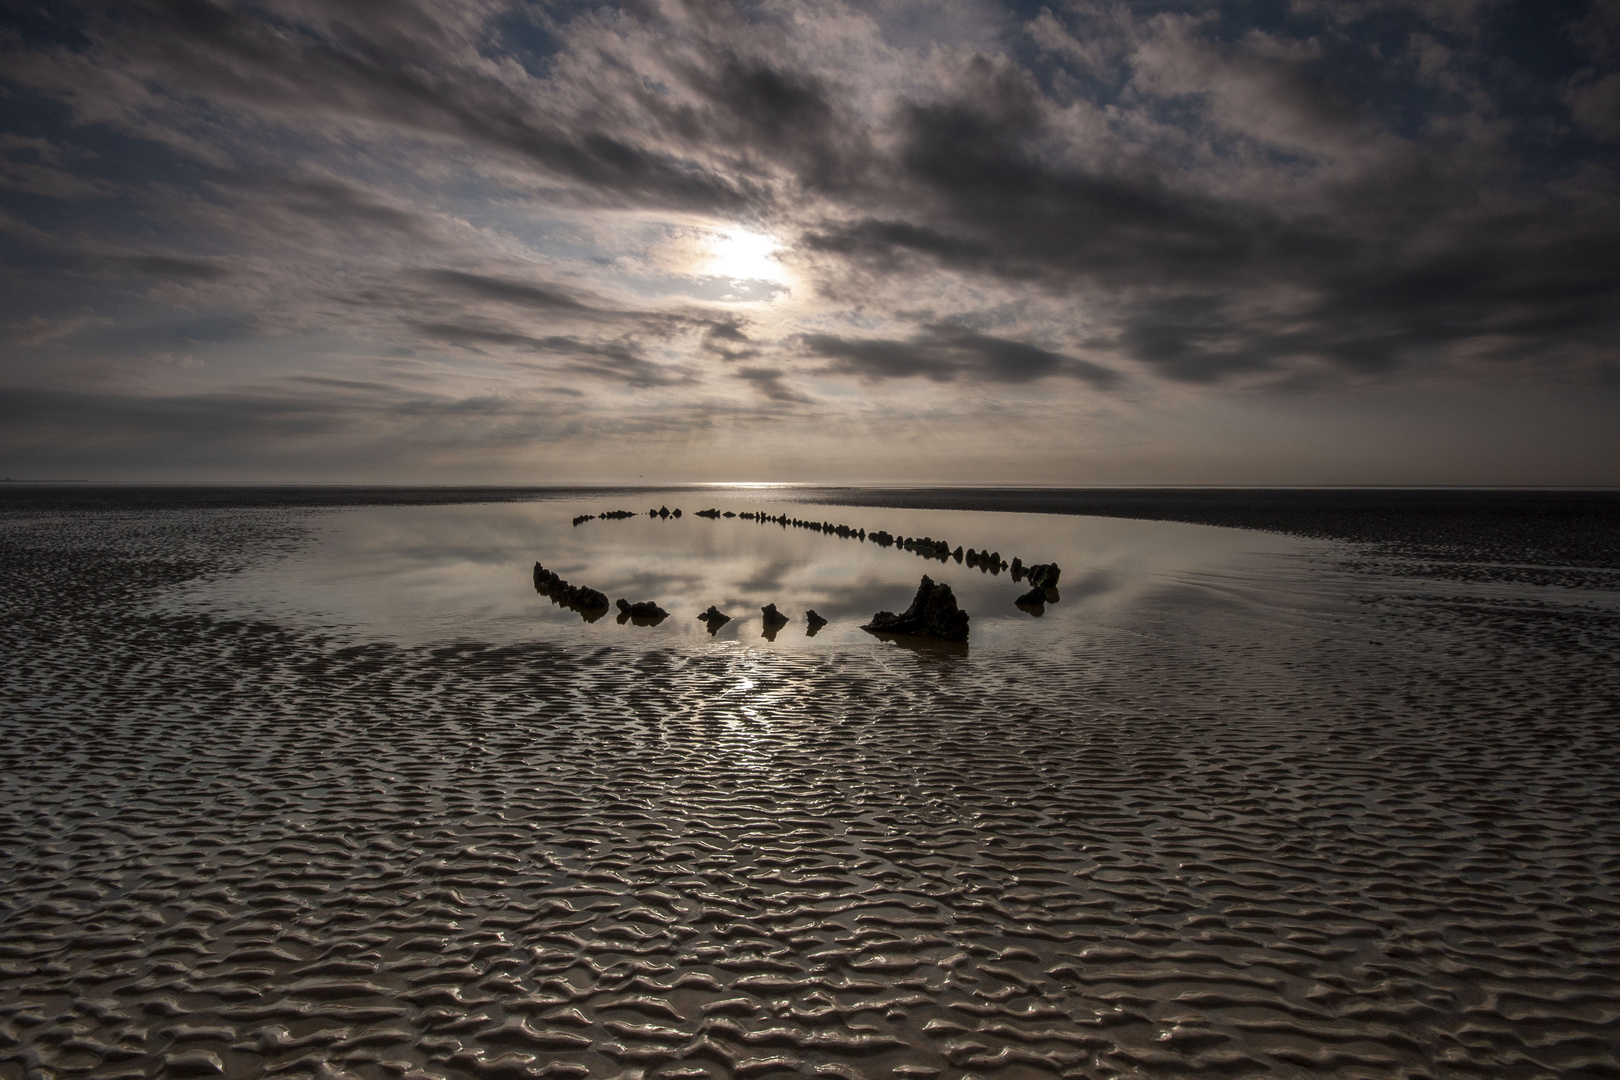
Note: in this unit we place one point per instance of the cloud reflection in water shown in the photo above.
(435, 573)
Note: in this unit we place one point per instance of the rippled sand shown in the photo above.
(1382, 844)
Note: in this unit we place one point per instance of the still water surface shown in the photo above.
(424, 574)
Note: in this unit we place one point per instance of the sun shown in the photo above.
(743, 255)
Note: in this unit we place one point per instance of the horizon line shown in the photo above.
(745, 485)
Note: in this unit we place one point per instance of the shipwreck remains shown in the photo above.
(933, 614)
(645, 613)
(1034, 602)
(1043, 575)
(590, 604)
(773, 621)
(610, 515)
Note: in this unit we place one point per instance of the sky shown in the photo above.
(902, 241)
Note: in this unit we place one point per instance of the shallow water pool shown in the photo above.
(438, 573)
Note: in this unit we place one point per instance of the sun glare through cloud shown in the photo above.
(743, 255)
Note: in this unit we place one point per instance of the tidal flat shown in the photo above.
(313, 784)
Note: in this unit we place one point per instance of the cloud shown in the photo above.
(1261, 88)
(1595, 105)
(185, 268)
(486, 287)
(618, 361)
(347, 205)
(47, 416)
(1098, 196)
(1379, 265)
(39, 331)
(768, 382)
(33, 166)
(420, 72)
(944, 353)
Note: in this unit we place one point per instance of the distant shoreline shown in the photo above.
(1564, 527)
(1567, 527)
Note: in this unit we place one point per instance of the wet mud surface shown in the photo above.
(1381, 846)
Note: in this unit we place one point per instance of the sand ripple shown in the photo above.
(230, 848)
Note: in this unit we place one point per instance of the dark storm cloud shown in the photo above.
(945, 353)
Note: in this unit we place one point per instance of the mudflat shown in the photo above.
(1341, 813)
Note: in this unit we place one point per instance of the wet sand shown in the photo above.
(253, 848)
